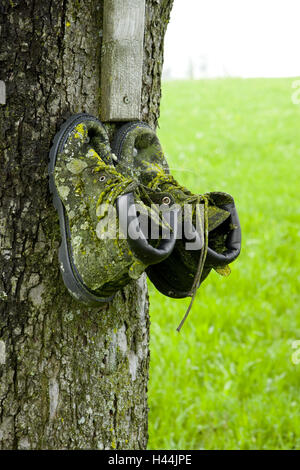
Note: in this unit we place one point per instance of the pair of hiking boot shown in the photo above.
(122, 213)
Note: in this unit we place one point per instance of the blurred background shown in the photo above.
(232, 38)
(230, 119)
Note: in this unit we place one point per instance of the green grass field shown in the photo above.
(227, 380)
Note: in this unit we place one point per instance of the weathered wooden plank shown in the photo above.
(122, 59)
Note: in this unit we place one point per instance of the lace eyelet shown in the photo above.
(166, 200)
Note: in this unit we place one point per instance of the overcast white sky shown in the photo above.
(246, 38)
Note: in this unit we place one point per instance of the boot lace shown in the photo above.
(169, 182)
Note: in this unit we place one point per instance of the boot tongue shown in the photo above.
(216, 217)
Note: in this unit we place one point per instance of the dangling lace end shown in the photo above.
(200, 267)
(186, 313)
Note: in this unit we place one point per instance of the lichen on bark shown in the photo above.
(71, 376)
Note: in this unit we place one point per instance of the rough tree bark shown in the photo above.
(71, 376)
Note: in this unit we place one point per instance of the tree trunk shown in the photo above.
(71, 376)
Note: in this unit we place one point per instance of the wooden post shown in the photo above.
(122, 59)
(2, 92)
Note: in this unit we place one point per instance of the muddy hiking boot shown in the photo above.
(210, 223)
(97, 207)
